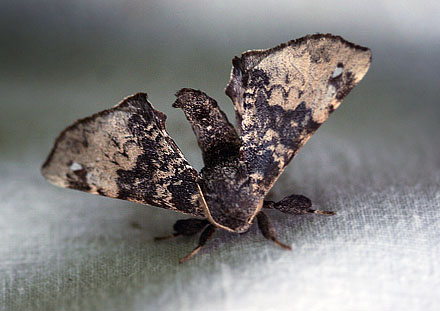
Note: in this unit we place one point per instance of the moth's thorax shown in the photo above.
(229, 195)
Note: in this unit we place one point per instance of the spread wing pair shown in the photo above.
(281, 96)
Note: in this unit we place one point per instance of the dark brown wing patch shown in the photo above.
(126, 153)
(217, 138)
(282, 95)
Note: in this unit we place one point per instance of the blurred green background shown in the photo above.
(64, 60)
(61, 60)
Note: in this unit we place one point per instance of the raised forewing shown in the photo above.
(216, 136)
(125, 153)
(282, 95)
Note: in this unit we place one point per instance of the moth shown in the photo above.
(281, 96)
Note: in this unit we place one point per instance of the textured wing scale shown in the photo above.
(217, 138)
(126, 153)
(282, 95)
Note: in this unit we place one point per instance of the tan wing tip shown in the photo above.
(363, 63)
(250, 58)
(141, 97)
(52, 178)
(45, 168)
(318, 36)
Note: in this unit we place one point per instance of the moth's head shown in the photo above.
(232, 213)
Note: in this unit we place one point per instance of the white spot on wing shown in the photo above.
(338, 71)
(75, 166)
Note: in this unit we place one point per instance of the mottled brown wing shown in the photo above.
(282, 95)
(125, 153)
(217, 138)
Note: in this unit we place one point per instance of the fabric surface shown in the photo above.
(62, 249)
(375, 162)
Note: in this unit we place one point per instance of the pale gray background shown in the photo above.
(376, 161)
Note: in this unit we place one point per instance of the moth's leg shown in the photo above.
(268, 230)
(204, 237)
(295, 204)
(186, 227)
(217, 138)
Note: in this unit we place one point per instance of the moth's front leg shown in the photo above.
(204, 237)
(295, 204)
(186, 227)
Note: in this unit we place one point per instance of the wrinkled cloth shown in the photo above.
(63, 249)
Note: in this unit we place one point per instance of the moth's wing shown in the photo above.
(125, 153)
(217, 138)
(282, 95)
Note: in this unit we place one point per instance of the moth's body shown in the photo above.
(281, 96)
(228, 193)
(225, 180)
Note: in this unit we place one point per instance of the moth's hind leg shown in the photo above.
(295, 204)
(186, 227)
